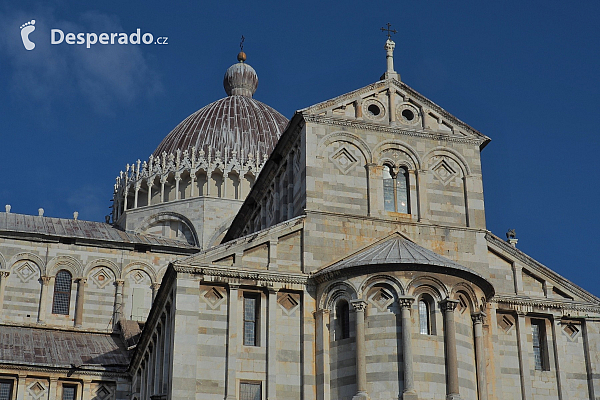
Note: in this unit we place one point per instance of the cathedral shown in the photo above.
(338, 255)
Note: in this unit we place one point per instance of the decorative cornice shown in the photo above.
(234, 273)
(546, 303)
(373, 126)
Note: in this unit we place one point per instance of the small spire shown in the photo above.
(241, 57)
(389, 49)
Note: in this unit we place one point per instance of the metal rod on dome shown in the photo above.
(242, 43)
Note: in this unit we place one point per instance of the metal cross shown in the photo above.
(389, 31)
(242, 43)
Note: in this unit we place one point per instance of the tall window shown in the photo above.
(425, 315)
(395, 190)
(251, 309)
(62, 293)
(6, 390)
(69, 392)
(540, 347)
(342, 316)
(250, 391)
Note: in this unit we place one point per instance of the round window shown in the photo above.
(374, 110)
(408, 114)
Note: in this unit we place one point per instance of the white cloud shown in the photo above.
(104, 76)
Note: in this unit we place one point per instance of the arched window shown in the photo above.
(426, 315)
(395, 190)
(62, 293)
(342, 316)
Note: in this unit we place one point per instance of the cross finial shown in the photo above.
(389, 31)
(242, 43)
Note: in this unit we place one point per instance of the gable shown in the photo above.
(393, 103)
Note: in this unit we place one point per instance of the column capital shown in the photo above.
(233, 286)
(155, 286)
(119, 282)
(322, 311)
(478, 317)
(4, 274)
(45, 279)
(405, 301)
(448, 305)
(359, 305)
(81, 280)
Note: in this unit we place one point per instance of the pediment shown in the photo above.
(392, 103)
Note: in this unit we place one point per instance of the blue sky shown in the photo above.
(523, 73)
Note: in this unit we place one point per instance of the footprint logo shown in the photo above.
(26, 29)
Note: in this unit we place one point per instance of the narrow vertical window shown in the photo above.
(69, 392)
(342, 315)
(425, 317)
(250, 391)
(5, 390)
(388, 189)
(62, 293)
(540, 351)
(250, 319)
(402, 191)
(395, 190)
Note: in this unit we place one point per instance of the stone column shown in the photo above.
(53, 388)
(452, 391)
(80, 300)
(589, 365)
(478, 319)
(21, 386)
(233, 341)
(3, 277)
(392, 105)
(118, 301)
(86, 390)
(322, 355)
(271, 345)
(177, 180)
(192, 183)
(409, 392)
(518, 278)
(150, 184)
(136, 194)
(125, 192)
(422, 194)
(43, 299)
(523, 356)
(163, 180)
(361, 364)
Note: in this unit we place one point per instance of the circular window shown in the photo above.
(408, 114)
(374, 110)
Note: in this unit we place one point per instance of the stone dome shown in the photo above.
(235, 123)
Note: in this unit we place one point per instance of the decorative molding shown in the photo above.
(366, 125)
(528, 304)
(239, 274)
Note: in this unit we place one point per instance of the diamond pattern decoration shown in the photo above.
(36, 390)
(571, 330)
(344, 160)
(213, 297)
(462, 304)
(138, 277)
(288, 302)
(505, 322)
(101, 278)
(381, 299)
(102, 393)
(444, 172)
(25, 272)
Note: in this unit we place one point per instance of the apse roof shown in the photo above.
(396, 250)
